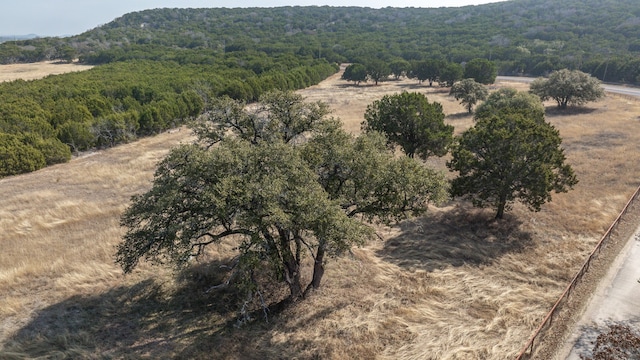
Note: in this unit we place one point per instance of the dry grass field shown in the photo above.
(39, 70)
(453, 285)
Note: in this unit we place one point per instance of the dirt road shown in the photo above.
(616, 300)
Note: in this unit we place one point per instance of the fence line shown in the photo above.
(529, 348)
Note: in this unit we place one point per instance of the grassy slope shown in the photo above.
(454, 285)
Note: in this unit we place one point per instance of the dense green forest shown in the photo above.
(43, 121)
(158, 68)
(522, 36)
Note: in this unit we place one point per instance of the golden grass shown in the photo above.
(32, 71)
(453, 285)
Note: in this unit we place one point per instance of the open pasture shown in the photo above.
(453, 285)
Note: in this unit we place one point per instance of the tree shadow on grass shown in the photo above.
(454, 238)
(435, 89)
(351, 85)
(554, 110)
(160, 321)
(147, 319)
(460, 115)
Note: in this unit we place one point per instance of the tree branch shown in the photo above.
(215, 237)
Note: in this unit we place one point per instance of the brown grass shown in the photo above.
(453, 285)
(38, 70)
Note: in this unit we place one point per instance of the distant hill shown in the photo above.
(522, 36)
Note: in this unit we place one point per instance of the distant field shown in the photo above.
(37, 70)
(452, 285)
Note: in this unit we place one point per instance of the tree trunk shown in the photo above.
(295, 288)
(292, 278)
(291, 267)
(501, 205)
(318, 268)
(564, 103)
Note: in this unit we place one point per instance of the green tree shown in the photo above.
(469, 93)
(399, 68)
(510, 100)
(428, 70)
(77, 136)
(356, 73)
(568, 87)
(281, 201)
(279, 116)
(17, 157)
(481, 70)
(53, 150)
(449, 74)
(410, 121)
(67, 53)
(378, 70)
(510, 157)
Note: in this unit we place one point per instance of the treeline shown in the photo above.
(523, 37)
(444, 73)
(42, 122)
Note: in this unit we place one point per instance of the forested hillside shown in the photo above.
(522, 36)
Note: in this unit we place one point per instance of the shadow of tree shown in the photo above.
(435, 89)
(154, 320)
(460, 115)
(454, 238)
(571, 110)
(147, 319)
(351, 85)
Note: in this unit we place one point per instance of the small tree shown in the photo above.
(511, 100)
(469, 93)
(399, 68)
(510, 157)
(67, 53)
(481, 70)
(17, 157)
(378, 70)
(568, 87)
(410, 121)
(356, 73)
(428, 70)
(278, 197)
(449, 74)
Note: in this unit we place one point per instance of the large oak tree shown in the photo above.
(282, 181)
(568, 87)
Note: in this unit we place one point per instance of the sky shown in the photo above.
(72, 17)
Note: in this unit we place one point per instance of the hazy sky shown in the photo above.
(71, 17)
